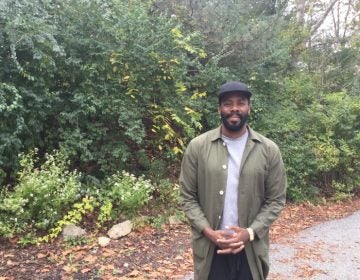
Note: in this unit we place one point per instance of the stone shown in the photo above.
(72, 231)
(103, 241)
(120, 230)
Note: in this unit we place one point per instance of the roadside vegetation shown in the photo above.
(98, 100)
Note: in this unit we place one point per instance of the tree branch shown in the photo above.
(321, 21)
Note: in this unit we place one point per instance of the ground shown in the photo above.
(147, 253)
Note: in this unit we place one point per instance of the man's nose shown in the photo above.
(235, 108)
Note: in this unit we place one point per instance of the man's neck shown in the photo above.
(233, 134)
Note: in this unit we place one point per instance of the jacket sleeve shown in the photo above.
(275, 194)
(188, 180)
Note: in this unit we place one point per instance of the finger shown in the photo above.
(234, 228)
(225, 234)
(232, 239)
(238, 250)
(224, 251)
(236, 245)
(222, 232)
(227, 242)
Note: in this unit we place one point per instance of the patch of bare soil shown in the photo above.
(144, 254)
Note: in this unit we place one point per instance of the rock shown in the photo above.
(174, 220)
(120, 230)
(103, 241)
(71, 231)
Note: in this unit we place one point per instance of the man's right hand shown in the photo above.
(215, 235)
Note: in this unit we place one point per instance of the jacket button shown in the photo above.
(221, 192)
(224, 166)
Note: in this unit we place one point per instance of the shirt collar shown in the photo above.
(253, 135)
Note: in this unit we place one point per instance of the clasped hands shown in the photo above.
(230, 241)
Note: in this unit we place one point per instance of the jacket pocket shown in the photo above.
(200, 244)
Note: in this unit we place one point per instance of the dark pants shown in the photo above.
(230, 267)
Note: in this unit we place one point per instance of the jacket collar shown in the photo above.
(215, 134)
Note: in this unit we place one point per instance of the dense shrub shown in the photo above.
(124, 85)
(47, 196)
(127, 192)
(43, 193)
(106, 82)
(318, 133)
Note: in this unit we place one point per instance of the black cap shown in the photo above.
(234, 86)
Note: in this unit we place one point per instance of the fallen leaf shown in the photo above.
(85, 270)
(69, 269)
(134, 273)
(42, 255)
(90, 259)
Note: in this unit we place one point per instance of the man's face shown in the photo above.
(234, 109)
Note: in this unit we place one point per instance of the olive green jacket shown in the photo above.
(261, 195)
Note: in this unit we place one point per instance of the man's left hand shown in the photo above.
(236, 242)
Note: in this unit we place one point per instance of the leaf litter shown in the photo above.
(151, 253)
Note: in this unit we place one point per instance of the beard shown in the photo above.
(234, 126)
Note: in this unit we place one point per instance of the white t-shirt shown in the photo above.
(235, 147)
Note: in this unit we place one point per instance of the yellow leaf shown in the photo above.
(176, 32)
(197, 95)
(180, 87)
(175, 60)
(177, 150)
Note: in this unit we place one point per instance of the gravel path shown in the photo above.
(328, 251)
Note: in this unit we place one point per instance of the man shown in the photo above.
(233, 186)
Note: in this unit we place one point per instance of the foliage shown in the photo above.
(27, 69)
(105, 213)
(76, 241)
(124, 85)
(74, 216)
(127, 192)
(106, 82)
(319, 138)
(43, 192)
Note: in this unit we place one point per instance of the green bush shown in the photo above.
(124, 195)
(318, 133)
(126, 192)
(102, 80)
(167, 193)
(42, 193)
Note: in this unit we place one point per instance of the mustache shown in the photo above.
(233, 114)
